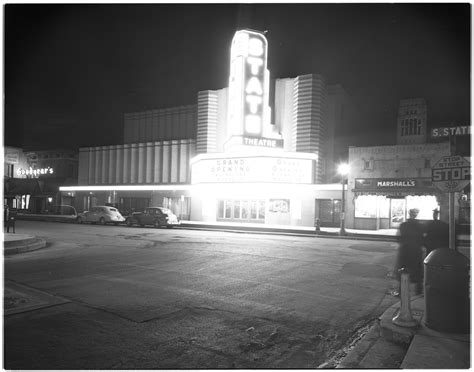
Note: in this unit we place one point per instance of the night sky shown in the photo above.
(72, 71)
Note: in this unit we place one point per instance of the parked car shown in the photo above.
(62, 210)
(102, 215)
(155, 216)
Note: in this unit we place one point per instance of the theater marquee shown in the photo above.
(253, 169)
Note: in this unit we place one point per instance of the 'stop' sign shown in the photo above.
(451, 173)
(248, 84)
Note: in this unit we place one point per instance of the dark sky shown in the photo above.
(71, 71)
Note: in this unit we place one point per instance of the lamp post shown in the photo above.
(343, 170)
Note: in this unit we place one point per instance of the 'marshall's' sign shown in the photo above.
(396, 183)
(390, 184)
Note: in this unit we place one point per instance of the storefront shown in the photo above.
(34, 177)
(385, 182)
(383, 203)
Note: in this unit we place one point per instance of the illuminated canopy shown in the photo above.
(293, 168)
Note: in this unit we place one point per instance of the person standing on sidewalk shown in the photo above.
(410, 250)
(437, 234)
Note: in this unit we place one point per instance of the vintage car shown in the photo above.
(154, 216)
(101, 214)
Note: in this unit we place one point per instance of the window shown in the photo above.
(368, 164)
(237, 209)
(405, 127)
(366, 206)
(241, 210)
(418, 127)
(424, 203)
(427, 163)
(9, 168)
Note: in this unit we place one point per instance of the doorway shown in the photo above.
(329, 212)
(397, 212)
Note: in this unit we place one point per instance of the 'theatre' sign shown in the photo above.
(451, 173)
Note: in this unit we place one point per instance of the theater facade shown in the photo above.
(257, 151)
(227, 158)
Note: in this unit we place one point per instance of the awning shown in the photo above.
(32, 186)
(21, 186)
(394, 187)
(397, 193)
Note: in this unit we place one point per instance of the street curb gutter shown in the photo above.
(308, 234)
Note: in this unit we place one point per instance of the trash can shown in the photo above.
(447, 297)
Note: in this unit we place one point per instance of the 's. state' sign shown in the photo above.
(451, 173)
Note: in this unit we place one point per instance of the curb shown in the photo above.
(308, 234)
(23, 245)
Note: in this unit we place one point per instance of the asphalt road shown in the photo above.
(146, 298)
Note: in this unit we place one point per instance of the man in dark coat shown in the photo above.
(410, 251)
(437, 234)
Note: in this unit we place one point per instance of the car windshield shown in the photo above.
(112, 210)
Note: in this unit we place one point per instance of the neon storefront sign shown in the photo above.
(248, 84)
(34, 172)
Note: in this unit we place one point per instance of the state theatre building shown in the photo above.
(232, 158)
(228, 157)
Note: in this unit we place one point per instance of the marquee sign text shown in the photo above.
(253, 169)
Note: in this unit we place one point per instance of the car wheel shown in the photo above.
(80, 220)
(129, 222)
(156, 223)
(116, 223)
(102, 221)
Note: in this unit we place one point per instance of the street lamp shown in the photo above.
(343, 170)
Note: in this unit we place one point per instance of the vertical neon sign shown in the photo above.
(248, 84)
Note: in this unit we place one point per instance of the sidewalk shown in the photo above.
(20, 243)
(387, 345)
(462, 240)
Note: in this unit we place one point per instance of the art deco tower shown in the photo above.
(411, 122)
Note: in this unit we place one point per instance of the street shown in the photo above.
(147, 298)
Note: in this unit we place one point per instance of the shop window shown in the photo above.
(237, 209)
(220, 209)
(253, 210)
(261, 210)
(365, 206)
(424, 203)
(241, 210)
(228, 209)
(244, 210)
(180, 206)
(383, 206)
(397, 212)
